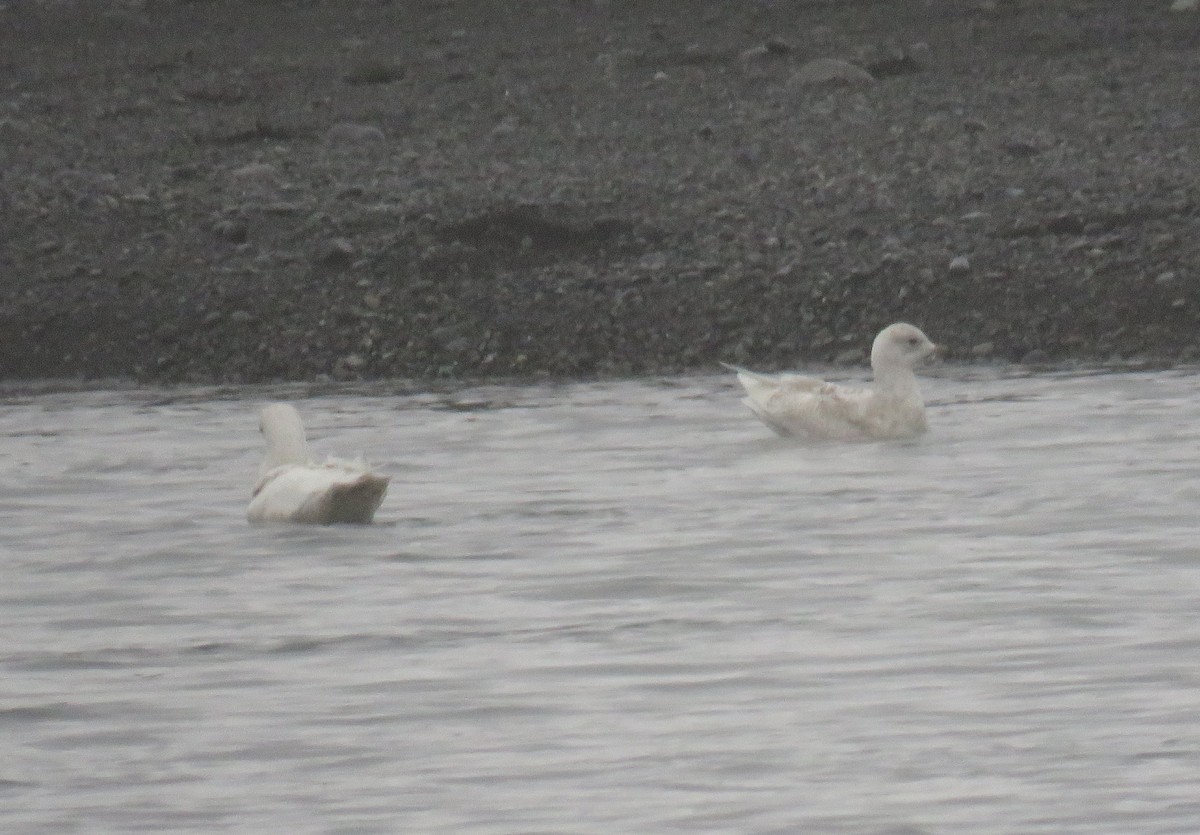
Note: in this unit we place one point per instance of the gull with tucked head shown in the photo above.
(806, 407)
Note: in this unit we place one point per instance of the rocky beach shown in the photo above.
(227, 191)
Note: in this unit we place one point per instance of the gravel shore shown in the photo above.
(221, 191)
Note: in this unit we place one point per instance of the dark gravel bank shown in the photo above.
(222, 190)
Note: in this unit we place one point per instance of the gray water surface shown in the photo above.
(607, 608)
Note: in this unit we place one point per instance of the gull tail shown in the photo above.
(354, 502)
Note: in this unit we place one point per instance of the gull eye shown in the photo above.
(912, 340)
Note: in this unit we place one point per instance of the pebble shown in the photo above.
(186, 171)
(374, 71)
(833, 71)
(772, 49)
(894, 65)
(253, 171)
(756, 53)
(1185, 5)
(1020, 148)
(506, 126)
(232, 230)
(1164, 240)
(959, 265)
(338, 252)
(350, 132)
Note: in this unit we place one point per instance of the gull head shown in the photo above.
(280, 424)
(900, 346)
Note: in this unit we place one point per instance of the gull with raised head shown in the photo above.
(293, 488)
(806, 407)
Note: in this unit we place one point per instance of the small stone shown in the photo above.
(253, 171)
(232, 230)
(1071, 84)
(983, 349)
(772, 49)
(1020, 148)
(338, 252)
(241, 316)
(821, 34)
(1064, 223)
(893, 65)
(349, 132)
(749, 156)
(374, 71)
(1035, 357)
(506, 126)
(1185, 5)
(959, 265)
(1166, 277)
(831, 71)
(353, 361)
(755, 54)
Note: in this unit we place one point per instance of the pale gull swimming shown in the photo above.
(806, 407)
(292, 488)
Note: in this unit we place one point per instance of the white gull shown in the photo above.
(292, 488)
(806, 407)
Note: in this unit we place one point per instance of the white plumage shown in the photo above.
(806, 407)
(292, 488)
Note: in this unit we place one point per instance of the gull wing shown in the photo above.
(330, 493)
(827, 411)
(795, 405)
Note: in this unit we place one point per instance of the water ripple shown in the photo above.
(606, 607)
